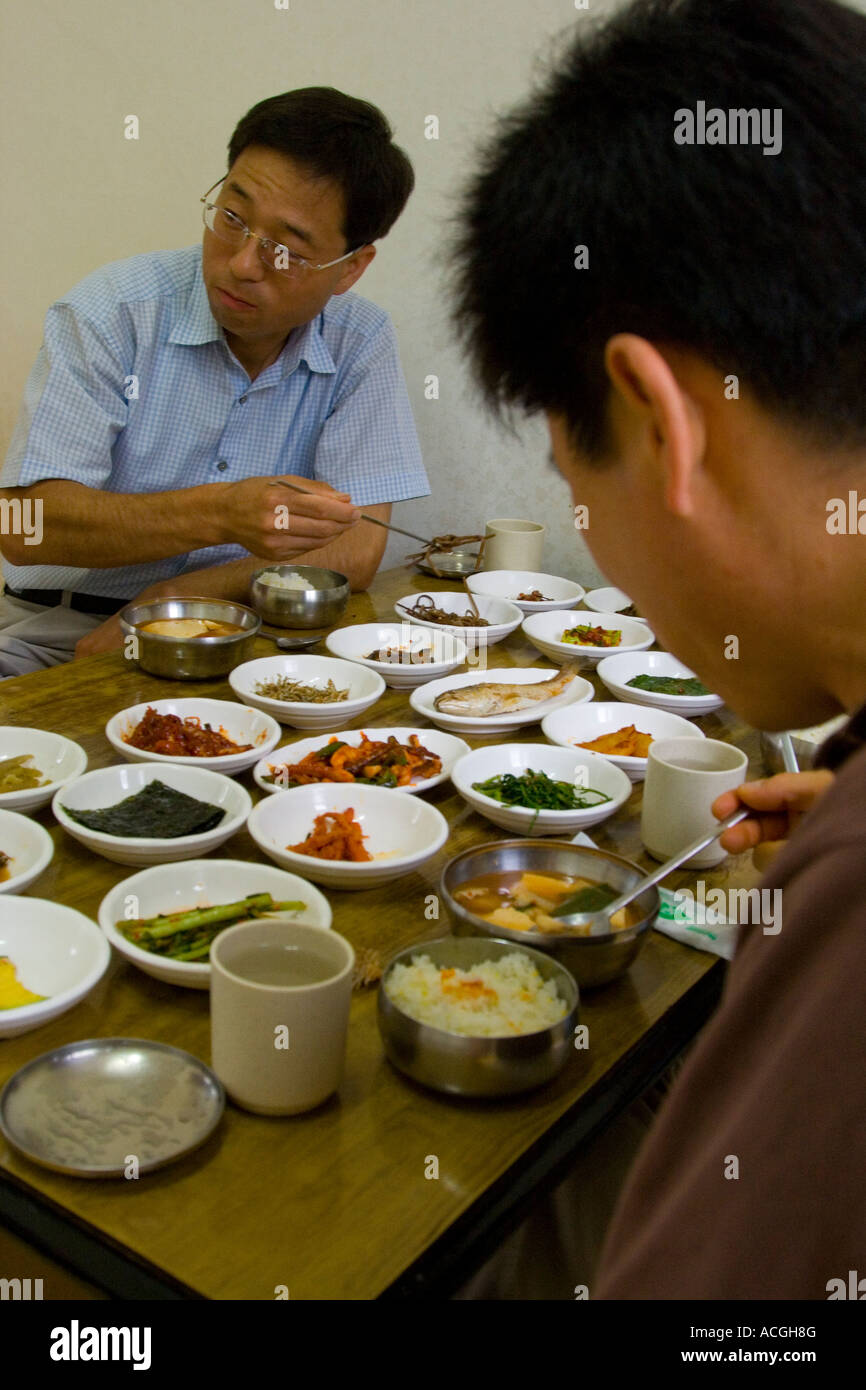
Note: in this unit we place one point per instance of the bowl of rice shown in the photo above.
(477, 1016)
(300, 596)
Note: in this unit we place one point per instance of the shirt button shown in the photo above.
(242, 400)
(222, 466)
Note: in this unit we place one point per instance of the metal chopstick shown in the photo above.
(374, 520)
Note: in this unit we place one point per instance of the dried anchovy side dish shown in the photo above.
(284, 688)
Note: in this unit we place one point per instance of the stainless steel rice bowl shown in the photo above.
(320, 605)
(477, 1066)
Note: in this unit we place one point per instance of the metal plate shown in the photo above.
(453, 565)
(88, 1108)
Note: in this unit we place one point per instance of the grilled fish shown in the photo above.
(493, 697)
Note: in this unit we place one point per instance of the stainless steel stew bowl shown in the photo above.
(593, 960)
(189, 658)
(321, 605)
(473, 1066)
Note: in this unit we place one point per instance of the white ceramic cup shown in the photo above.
(683, 778)
(279, 1049)
(513, 545)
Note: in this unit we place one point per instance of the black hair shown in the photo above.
(756, 262)
(340, 138)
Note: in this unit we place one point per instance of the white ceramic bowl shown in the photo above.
(574, 726)
(561, 765)
(353, 644)
(30, 849)
(502, 617)
(507, 584)
(364, 687)
(56, 757)
(616, 671)
(403, 830)
(545, 630)
(56, 951)
(106, 786)
(608, 600)
(241, 725)
(496, 725)
(445, 746)
(200, 883)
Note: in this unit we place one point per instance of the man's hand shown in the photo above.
(779, 804)
(102, 639)
(277, 523)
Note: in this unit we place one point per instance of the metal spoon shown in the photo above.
(599, 922)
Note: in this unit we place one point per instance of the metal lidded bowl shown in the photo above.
(477, 1066)
(318, 606)
(592, 960)
(89, 1107)
(189, 658)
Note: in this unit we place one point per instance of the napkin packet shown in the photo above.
(688, 919)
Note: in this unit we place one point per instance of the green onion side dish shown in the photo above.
(670, 685)
(187, 935)
(538, 792)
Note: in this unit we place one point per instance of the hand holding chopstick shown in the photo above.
(372, 519)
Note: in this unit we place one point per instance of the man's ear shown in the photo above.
(652, 401)
(355, 268)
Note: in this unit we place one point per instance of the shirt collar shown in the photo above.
(837, 749)
(196, 325)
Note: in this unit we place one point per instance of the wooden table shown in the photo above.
(334, 1204)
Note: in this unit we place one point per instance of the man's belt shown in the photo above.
(82, 603)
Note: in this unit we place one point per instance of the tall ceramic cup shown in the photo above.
(683, 778)
(512, 544)
(279, 1048)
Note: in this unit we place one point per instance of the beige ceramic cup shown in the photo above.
(683, 778)
(279, 1049)
(514, 545)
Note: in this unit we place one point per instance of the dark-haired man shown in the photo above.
(701, 369)
(174, 389)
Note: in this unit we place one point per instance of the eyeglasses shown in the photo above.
(229, 227)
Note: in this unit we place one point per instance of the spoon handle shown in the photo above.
(676, 860)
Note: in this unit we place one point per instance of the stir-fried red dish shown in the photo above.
(181, 738)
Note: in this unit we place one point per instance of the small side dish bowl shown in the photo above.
(56, 952)
(608, 600)
(106, 786)
(423, 700)
(365, 687)
(592, 960)
(57, 758)
(444, 746)
(463, 1065)
(545, 630)
(320, 604)
(200, 883)
(241, 725)
(570, 728)
(576, 766)
(616, 671)
(187, 658)
(507, 584)
(443, 651)
(501, 617)
(29, 848)
(400, 831)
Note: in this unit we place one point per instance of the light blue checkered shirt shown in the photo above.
(136, 390)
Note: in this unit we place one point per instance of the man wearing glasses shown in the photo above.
(174, 389)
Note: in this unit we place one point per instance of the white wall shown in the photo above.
(78, 194)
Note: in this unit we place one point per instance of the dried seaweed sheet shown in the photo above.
(156, 812)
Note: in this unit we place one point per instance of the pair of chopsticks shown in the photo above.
(374, 521)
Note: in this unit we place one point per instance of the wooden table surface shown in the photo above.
(334, 1204)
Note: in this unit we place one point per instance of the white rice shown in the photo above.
(515, 998)
(285, 581)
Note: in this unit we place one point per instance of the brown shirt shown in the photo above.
(752, 1184)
